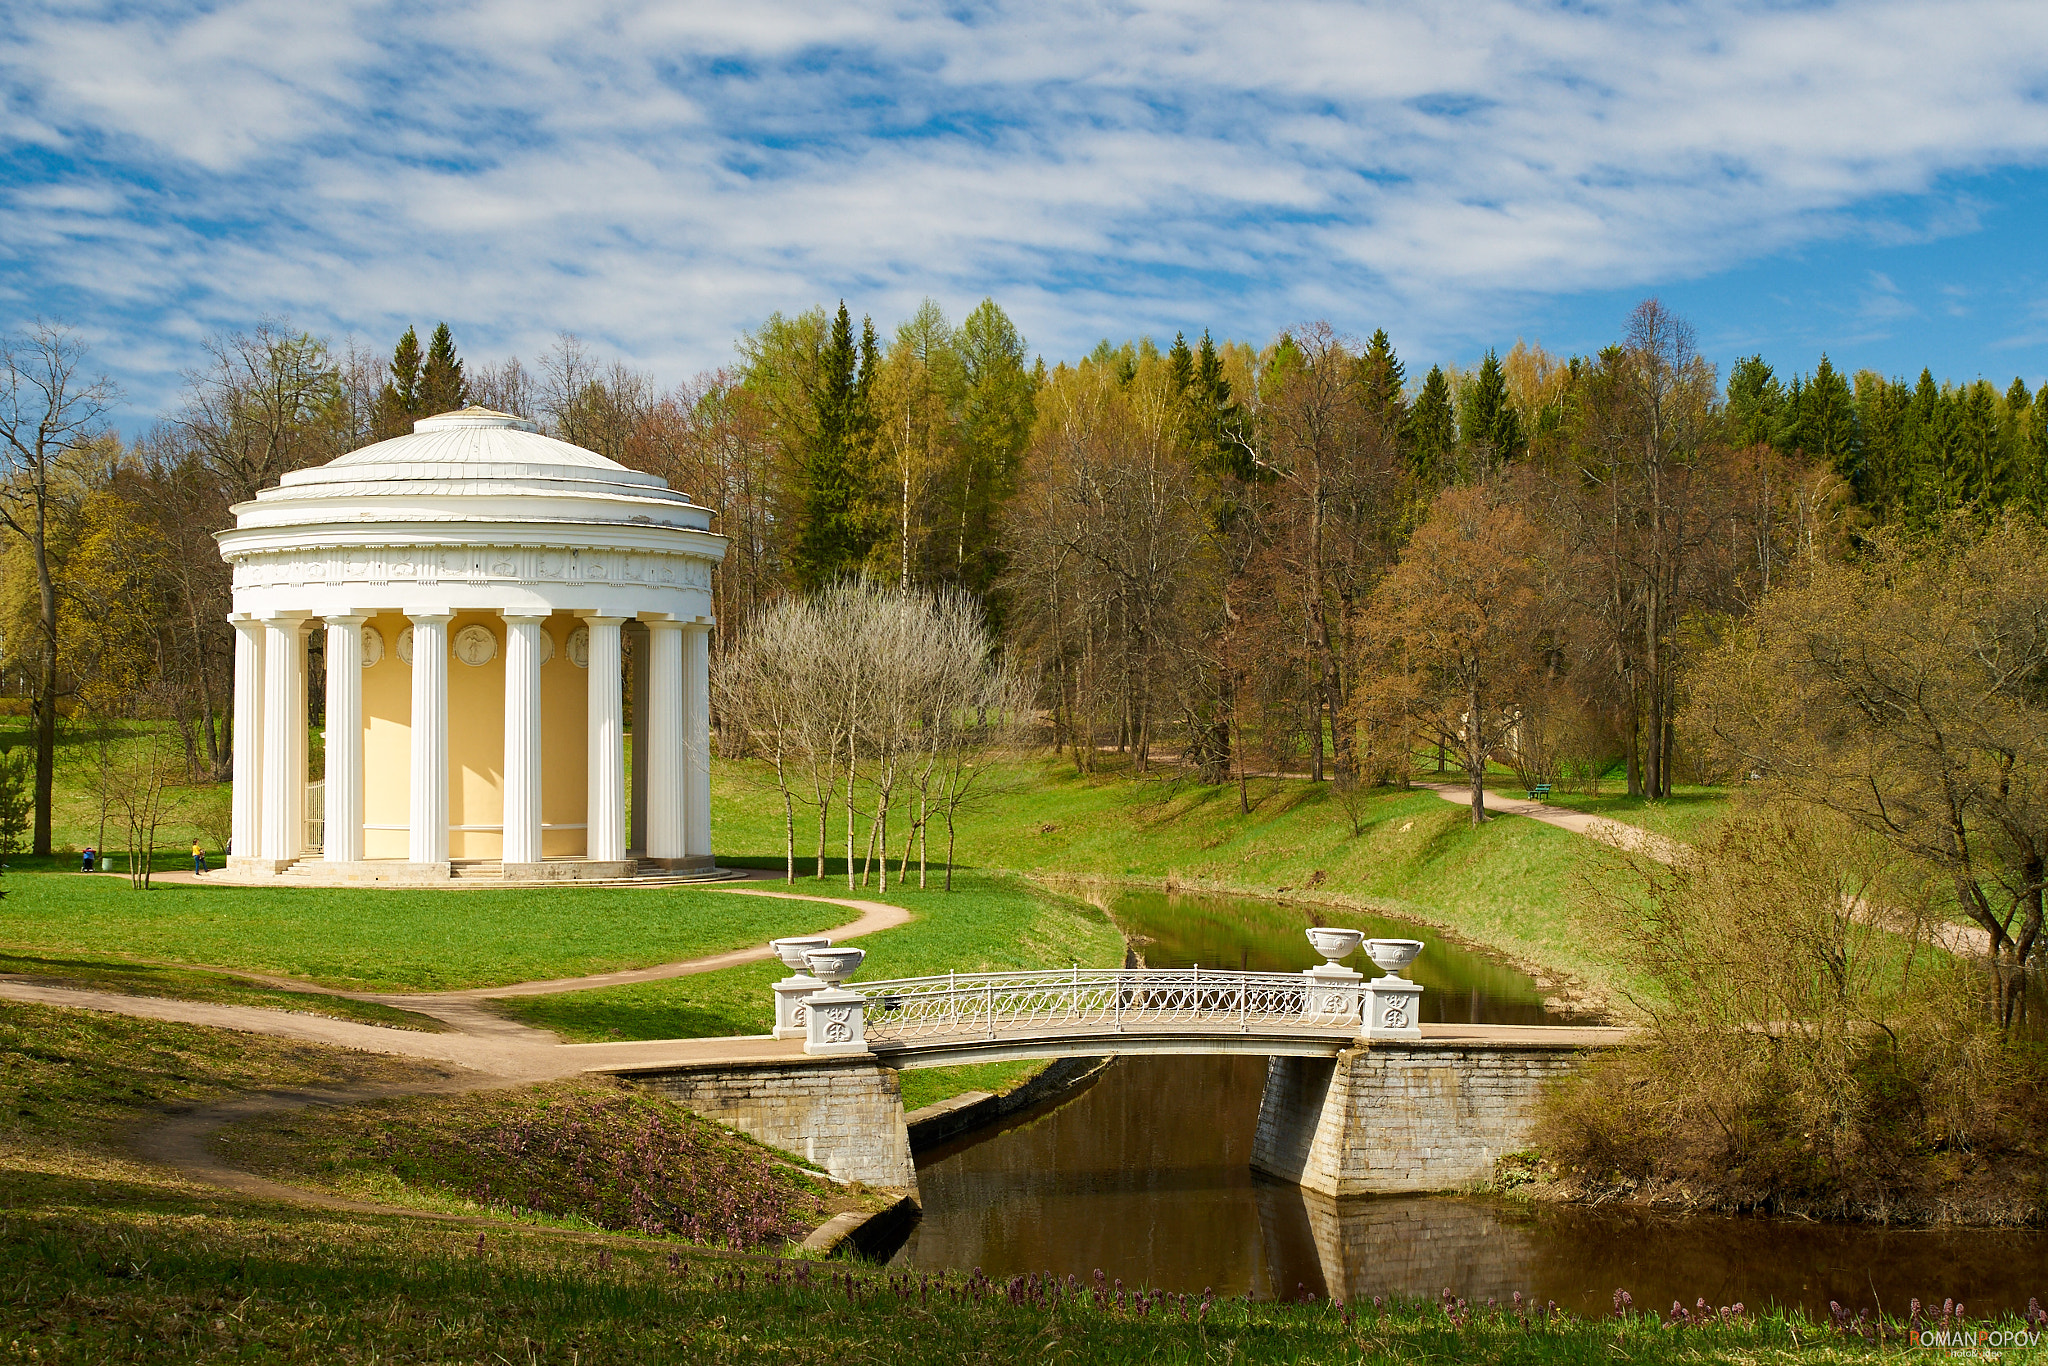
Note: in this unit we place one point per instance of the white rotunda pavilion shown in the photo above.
(477, 583)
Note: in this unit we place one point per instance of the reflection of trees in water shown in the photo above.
(1145, 1174)
(1180, 930)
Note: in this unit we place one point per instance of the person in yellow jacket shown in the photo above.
(198, 857)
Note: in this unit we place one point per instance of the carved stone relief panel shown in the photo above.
(476, 645)
(373, 646)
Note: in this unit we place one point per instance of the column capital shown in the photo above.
(346, 618)
(517, 617)
(279, 618)
(601, 617)
(419, 614)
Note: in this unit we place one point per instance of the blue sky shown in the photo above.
(1866, 179)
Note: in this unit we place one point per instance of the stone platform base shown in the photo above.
(315, 871)
(570, 870)
(695, 863)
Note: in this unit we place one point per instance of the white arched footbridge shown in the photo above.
(1359, 1098)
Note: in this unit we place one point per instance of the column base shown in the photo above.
(570, 870)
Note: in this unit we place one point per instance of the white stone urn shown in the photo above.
(833, 966)
(792, 950)
(1333, 943)
(1393, 955)
(792, 992)
(1332, 996)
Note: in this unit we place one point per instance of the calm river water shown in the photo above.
(1146, 1175)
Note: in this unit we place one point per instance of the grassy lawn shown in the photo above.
(396, 940)
(191, 984)
(989, 922)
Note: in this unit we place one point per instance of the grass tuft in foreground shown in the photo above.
(282, 1288)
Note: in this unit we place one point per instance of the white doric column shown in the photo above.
(664, 722)
(284, 659)
(606, 821)
(344, 815)
(247, 834)
(697, 740)
(428, 816)
(522, 740)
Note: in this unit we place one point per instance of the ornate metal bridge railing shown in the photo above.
(929, 1014)
(992, 1005)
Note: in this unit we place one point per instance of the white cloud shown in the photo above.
(657, 176)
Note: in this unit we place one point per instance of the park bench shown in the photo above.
(1539, 792)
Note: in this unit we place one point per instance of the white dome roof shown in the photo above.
(474, 464)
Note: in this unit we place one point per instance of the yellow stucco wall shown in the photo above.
(564, 731)
(476, 745)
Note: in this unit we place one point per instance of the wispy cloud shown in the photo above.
(659, 176)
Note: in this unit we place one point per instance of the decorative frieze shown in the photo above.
(478, 566)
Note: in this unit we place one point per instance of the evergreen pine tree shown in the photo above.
(1756, 404)
(1825, 422)
(1218, 429)
(1180, 366)
(1435, 426)
(1882, 407)
(1493, 429)
(1382, 383)
(398, 403)
(442, 387)
(2033, 480)
(1980, 448)
(828, 542)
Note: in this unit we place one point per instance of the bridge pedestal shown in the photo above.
(1401, 1117)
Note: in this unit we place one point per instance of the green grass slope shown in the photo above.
(1515, 886)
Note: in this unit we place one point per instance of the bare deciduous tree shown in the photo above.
(1450, 639)
(51, 412)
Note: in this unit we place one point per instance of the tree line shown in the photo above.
(1196, 549)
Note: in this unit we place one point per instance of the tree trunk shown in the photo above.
(46, 688)
(1475, 756)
